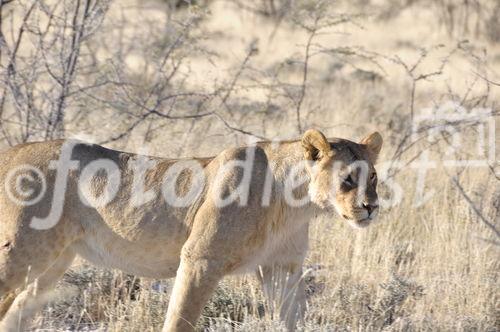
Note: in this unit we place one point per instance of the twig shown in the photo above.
(473, 207)
(56, 120)
(303, 86)
(242, 131)
(486, 79)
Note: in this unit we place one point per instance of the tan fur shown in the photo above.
(198, 244)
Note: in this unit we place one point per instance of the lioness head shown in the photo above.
(343, 176)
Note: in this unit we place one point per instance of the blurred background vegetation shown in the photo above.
(189, 78)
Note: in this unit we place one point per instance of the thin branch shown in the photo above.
(245, 132)
(303, 86)
(56, 122)
(126, 131)
(486, 79)
(489, 224)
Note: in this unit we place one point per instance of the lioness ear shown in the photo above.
(315, 145)
(373, 144)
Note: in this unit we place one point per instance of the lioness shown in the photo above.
(56, 212)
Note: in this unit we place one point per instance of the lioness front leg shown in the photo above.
(226, 232)
(284, 287)
(195, 282)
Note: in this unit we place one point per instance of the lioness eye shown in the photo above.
(349, 181)
(372, 177)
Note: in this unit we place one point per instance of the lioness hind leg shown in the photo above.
(284, 288)
(6, 302)
(36, 295)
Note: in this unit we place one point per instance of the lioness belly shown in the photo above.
(130, 258)
(142, 268)
(139, 252)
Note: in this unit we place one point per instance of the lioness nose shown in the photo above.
(370, 207)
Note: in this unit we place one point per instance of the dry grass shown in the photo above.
(433, 267)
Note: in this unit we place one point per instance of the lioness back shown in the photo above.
(142, 237)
